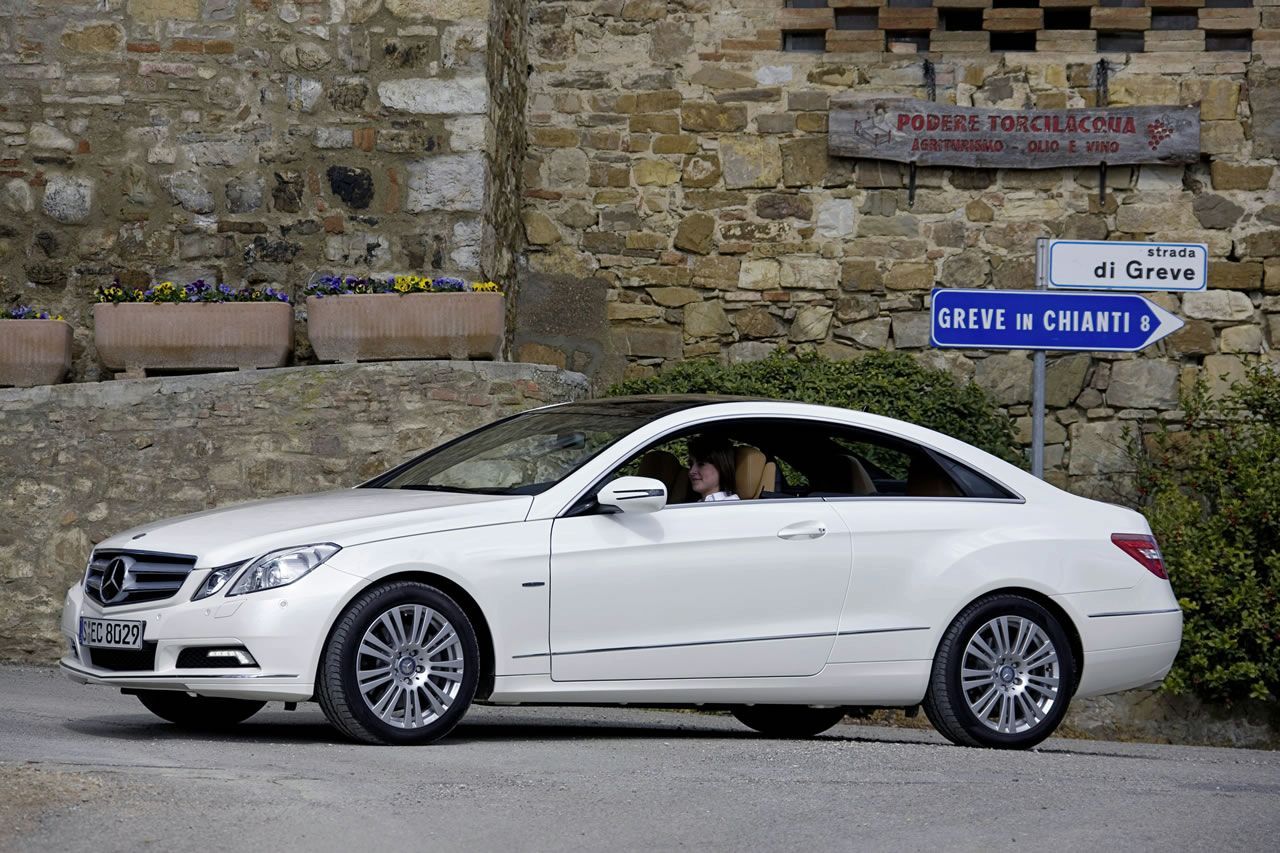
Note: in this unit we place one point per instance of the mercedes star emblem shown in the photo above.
(113, 579)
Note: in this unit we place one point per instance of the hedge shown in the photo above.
(1211, 490)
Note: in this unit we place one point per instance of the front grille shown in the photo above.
(124, 660)
(130, 577)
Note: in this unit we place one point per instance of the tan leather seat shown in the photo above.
(925, 479)
(664, 466)
(755, 473)
(858, 479)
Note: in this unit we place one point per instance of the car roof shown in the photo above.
(654, 405)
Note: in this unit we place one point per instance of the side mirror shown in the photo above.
(634, 494)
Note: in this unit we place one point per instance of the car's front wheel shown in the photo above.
(1003, 675)
(400, 667)
(788, 721)
(201, 713)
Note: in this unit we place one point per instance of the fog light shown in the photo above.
(204, 657)
(241, 657)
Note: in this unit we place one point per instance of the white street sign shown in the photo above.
(1112, 265)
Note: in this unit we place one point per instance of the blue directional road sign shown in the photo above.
(1047, 320)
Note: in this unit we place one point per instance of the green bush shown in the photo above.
(884, 383)
(1212, 495)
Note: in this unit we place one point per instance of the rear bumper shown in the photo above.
(1126, 650)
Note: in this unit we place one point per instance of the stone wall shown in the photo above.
(678, 170)
(81, 462)
(247, 140)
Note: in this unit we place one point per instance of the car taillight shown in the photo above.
(1143, 549)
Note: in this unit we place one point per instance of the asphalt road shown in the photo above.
(88, 769)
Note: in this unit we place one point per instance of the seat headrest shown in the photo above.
(664, 466)
(926, 479)
(755, 472)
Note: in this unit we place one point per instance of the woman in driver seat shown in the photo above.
(712, 471)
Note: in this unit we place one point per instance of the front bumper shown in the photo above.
(284, 630)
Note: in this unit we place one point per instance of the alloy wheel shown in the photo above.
(410, 666)
(1010, 674)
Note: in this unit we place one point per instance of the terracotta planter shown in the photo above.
(137, 337)
(34, 352)
(380, 326)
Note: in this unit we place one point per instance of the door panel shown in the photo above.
(697, 591)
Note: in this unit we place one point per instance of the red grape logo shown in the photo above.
(1158, 131)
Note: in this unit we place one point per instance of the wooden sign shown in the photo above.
(906, 130)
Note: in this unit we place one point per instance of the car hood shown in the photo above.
(229, 534)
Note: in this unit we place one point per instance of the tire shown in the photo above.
(198, 713)
(788, 721)
(418, 678)
(1018, 671)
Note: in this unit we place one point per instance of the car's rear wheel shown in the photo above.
(1003, 675)
(201, 713)
(788, 721)
(400, 667)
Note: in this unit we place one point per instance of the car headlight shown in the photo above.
(217, 579)
(281, 568)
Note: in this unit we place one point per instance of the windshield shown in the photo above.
(524, 455)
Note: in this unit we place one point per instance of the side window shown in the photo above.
(895, 467)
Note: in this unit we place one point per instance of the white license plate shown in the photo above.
(110, 633)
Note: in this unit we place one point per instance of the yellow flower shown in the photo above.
(485, 287)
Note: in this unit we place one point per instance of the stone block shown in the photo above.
(430, 96)
(700, 171)
(647, 341)
(696, 233)
(911, 329)
(755, 323)
(749, 351)
(621, 311)
(1143, 384)
(871, 334)
(909, 276)
(540, 230)
(1194, 338)
(448, 10)
(705, 320)
(811, 323)
(1263, 244)
(750, 162)
(1006, 377)
(1235, 176)
(804, 162)
(1264, 102)
(1214, 211)
(1219, 97)
(1243, 339)
(1217, 305)
(705, 117)
(1221, 137)
(779, 206)
(1064, 379)
(861, 274)
(152, 11)
(68, 199)
(93, 38)
(1235, 275)
(658, 173)
(763, 274)
(1099, 448)
(447, 182)
(1220, 372)
(802, 273)
(835, 216)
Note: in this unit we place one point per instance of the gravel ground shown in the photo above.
(88, 769)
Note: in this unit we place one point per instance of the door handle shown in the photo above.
(803, 530)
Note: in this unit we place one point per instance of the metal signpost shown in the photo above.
(1041, 319)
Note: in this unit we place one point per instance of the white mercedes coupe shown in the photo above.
(560, 556)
